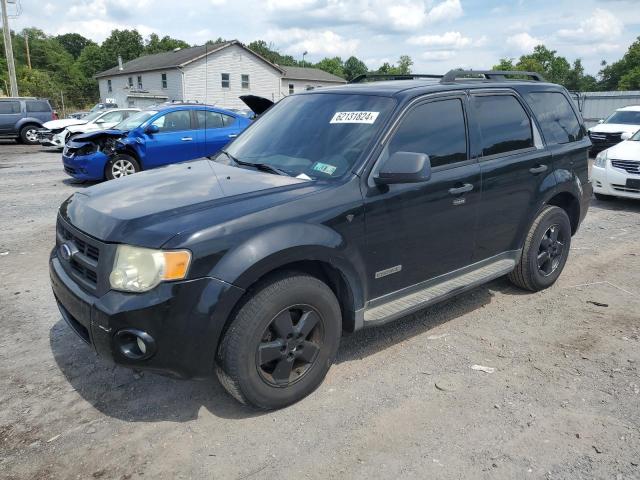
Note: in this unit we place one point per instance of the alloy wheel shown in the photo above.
(551, 250)
(122, 168)
(31, 135)
(290, 345)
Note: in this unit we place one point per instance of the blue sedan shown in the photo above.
(157, 136)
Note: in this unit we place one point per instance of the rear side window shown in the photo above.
(9, 107)
(504, 124)
(557, 119)
(209, 119)
(437, 129)
(38, 106)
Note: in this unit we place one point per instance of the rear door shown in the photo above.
(215, 130)
(174, 142)
(419, 231)
(9, 115)
(515, 167)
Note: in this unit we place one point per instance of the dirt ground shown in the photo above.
(401, 402)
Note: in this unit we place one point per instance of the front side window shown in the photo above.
(504, 125)
(164, 80)
(319, 135)
(109, 86)
(37, 106)
(225, 82)
(174, 121)
(139, 82)
(245, 81)
(9, 107)
(437, 129)
(557, 119)
(625, 117)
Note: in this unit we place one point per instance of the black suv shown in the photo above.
(338, 209)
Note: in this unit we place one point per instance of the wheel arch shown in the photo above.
(570, 204)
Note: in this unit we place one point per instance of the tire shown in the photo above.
(543, 258)
(602, 197)
(29, 134)
(259, 364)
(121, 165)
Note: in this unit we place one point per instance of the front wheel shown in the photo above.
(120, 166)
(29, 134)
(281, 343)
(545, 250)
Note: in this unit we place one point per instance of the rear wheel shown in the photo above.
(281, 343)
(545, 250)
(29, 134)
(121, 165)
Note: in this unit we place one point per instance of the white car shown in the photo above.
(616, 171)
(57, 132)
(608, 132)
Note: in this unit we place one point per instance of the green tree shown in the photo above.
(332, 65)
(404, 64)
(354, 67)
(73, 43)
(167, 44)
(126, 43)
(267, 51)
(621, 75)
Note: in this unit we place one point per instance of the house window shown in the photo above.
(225, 80)
(291, 88)
(245, 81)
(164, 80)
(130, 82)
(109, 86)
(139, 82)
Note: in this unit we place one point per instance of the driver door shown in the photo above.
(418, 231)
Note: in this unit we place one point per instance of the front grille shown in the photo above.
(629, 166)
(83, 264)
(605, 137)
(624, 188)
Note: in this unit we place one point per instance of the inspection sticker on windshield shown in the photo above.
(354, 117)
(324, 168)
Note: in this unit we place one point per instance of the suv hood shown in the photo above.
(65, 122)
(258, 105)
(614, 128)
(149, 208)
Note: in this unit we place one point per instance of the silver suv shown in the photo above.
(21, 117)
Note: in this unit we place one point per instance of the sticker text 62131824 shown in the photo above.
(354, 117)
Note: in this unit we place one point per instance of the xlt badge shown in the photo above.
(388, 271)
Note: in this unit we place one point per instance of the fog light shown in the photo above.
(135, 344)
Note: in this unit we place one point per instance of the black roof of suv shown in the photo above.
(340, 208)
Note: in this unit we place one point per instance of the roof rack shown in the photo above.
(495, 75)
(392, 76)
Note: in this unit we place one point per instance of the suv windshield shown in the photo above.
(320, 135)
(627, 117)
(135, 120)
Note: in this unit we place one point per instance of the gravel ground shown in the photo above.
(401, 402)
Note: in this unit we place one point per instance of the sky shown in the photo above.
(437, 34)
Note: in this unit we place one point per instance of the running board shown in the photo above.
(436, 290)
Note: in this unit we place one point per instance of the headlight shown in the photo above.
(138, 269)
(601, 159)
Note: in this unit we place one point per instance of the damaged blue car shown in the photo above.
(154, 137)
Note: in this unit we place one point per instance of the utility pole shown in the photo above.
(8, 48)
(26, 43)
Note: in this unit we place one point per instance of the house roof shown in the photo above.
(313, 74)
(174, 59)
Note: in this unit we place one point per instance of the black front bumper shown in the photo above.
(184, 318)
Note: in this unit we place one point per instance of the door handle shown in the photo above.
(538, 169)
(233, 135)
(467, 187)
(186, 139)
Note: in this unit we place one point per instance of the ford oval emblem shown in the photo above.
(66, 252)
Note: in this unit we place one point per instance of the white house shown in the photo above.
(214, 74)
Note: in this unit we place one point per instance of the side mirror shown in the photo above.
(404, 167)
(626, 136)
(601, 120)
(151, 129)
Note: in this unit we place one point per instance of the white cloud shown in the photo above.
(523, 42)
(447, 10)
(449, 40)
(438, 56)
(601, 25)
(315, 42)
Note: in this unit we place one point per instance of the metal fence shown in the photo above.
(597, 105)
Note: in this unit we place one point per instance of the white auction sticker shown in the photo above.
(354, 117)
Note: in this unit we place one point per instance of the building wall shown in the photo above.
(203, 78)
(599, 105)
(301, 85)
(151, 82)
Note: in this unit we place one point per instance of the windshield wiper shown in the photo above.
(265, 167)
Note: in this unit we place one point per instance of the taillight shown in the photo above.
(54, 115)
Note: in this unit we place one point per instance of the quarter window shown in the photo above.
(174, 121)
(9, 107)
(435, 128)
(164, 80)
(504, 125)
(225, 80)
(557, 119)
(245, 81)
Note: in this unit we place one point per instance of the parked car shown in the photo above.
(78, 115)
(21, 117)
(151, 138)
(609, 131)
(616, 171)
(336, 210)
(56, 132)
